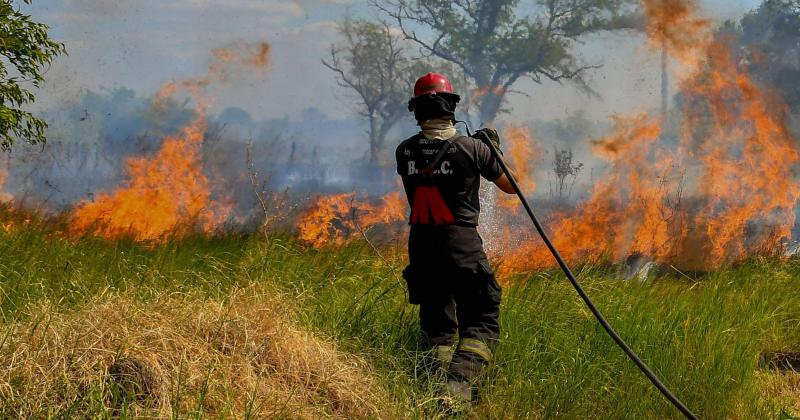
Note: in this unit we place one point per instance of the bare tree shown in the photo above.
(565, 171)
(671, 209)
(372, 63)
(273, 206)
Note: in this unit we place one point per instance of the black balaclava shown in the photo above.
(434, 105)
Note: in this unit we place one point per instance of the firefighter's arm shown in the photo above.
(504, 183)
(488, 135)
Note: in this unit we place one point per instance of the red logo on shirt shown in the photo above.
(429, 204)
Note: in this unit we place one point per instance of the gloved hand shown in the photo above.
(487, 134)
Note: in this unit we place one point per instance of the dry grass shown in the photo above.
(180, 356)
(783, 388)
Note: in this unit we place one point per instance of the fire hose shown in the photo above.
(565, 268)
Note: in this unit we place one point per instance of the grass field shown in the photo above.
(248, 326)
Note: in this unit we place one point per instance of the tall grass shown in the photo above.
(702, 336)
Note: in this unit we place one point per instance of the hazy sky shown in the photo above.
(144, 43)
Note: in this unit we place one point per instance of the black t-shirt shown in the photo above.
(449, 194)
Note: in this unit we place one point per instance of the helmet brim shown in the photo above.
(450, 97)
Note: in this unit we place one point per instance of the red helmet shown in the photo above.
(432, 83)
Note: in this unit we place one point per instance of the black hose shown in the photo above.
(610, 330)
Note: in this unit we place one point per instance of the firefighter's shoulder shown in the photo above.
(467, 144)
(404, 145)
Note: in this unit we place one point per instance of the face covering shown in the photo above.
(434, 106)
(438, 129)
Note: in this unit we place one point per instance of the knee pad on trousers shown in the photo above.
(469, 360)
(444, 354)
(477, 347)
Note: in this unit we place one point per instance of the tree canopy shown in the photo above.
(495, 45)
(372, 62)
(769, 38)
(25, 51)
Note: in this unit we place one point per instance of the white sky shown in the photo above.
(144, 43)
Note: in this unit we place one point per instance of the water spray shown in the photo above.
(565, 268)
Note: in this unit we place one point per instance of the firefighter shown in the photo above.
(449, 275)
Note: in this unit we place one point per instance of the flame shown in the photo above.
(479, 93)
(716, 188)
(226, 66)
(749, 159)
(392, 209)
(337, 219)
(168, 195)
(520, 156)
(590, 231)
(254, 55)
(674, 25)
(317, 226)
(720, 189)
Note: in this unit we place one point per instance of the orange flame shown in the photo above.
(479, 93)
(674, 25)
(520, 156)
(749, 160)
(589, 233)
(226, 63)
(169, 196)
(716, 189)
(725, 191)
(337, 219)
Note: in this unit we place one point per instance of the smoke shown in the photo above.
(163, 165)
(710, 184)
(662, 187)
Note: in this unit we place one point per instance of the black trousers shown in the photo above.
(451, 280)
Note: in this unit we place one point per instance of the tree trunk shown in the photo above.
(374, 139)
(489, 106)
(383, 133)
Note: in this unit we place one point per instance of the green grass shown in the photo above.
(703, 338)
